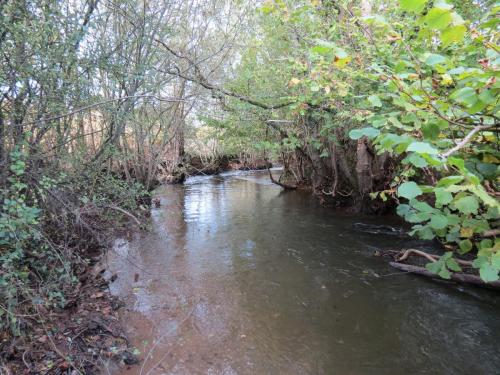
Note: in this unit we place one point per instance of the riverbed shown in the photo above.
(237, 276)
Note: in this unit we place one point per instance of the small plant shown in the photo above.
(18, 230)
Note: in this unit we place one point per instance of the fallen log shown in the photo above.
(455, 276)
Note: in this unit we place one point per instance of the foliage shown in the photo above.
(18, 229)
(29, 250)
(92, 112)
(95, 98)
(437, 106)
(417, 80)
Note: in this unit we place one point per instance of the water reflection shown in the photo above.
(239, 277)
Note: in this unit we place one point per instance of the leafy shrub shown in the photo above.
(45, 227)
(436, 104)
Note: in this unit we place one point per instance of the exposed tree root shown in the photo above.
(285, 186)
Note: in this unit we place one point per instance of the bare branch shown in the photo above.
(466, 140)
(90, 106)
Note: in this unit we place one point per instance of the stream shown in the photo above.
(238, 276)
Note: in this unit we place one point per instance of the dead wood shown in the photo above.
(455, 276)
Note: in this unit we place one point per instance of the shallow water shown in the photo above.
(240, 277)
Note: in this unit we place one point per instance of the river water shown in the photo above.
(237, 276)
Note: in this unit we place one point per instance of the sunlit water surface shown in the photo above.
(239, 277)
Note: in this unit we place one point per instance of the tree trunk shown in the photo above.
(364, 159)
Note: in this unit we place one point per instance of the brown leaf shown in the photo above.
(42, 339)
(106, 310)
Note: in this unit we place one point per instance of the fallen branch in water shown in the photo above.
(409, 252)
(433, 258)
(457, 277)
(491, 233)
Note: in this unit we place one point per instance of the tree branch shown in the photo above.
(204, 83)
(466, 140)
(90, 106)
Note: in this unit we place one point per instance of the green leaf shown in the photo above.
(321, 50)
(486, 169)
(487, 97)
(444, 273)
(426, 233)
(495, 260)
(438, 222)
(417, 160)
(403, 209)
(479, 261)
(453, 34)
(488, 273)
(465, 95)
(467, 205)
(412, 6)
(434, 267)
(465, 246)
(484, 196)
(418, 217)
(443, 197)
(453, 265)
(431, 130)
(438, 18)
(324, 47)
(266, 9)
(375, 101)
(450, 180)
(421, 206)
(422, 148)
(434, 59)
(368, 132)
(409, 190)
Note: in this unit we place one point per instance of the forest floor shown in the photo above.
(82, 338)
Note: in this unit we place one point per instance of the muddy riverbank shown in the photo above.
(238, 277)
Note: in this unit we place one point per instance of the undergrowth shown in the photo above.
(50, 226)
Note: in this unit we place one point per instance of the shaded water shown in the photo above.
(239, 277)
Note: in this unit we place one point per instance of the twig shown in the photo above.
(24, 360)
(153, 348)
(466, 140)
(87, 107)
(408, 252)
(61, 354)
(491, 233)
(116, 208)
(431, 257)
